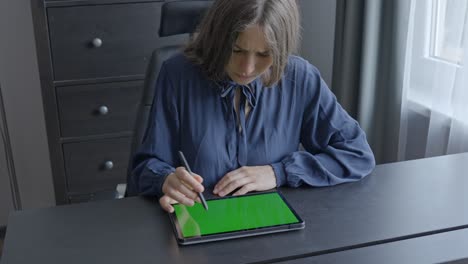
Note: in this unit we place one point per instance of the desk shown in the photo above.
(398, 201)
(442, 247)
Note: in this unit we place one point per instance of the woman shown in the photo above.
(238, 105)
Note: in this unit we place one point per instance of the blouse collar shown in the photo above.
(227, 89)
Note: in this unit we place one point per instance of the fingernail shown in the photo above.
(221, 194)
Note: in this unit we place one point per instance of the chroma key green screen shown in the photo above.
(234, 214)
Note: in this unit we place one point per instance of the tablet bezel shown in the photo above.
(237, 234)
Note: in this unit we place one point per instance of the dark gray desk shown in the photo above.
(398, 201)
(443, 247)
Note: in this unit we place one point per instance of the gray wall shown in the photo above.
(19, 78)
(318, 35)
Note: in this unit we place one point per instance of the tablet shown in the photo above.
(234, 217)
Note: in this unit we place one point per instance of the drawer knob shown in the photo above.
(103, 110)
(97, 42)
(108, 165)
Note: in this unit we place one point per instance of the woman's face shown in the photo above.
(250, 56)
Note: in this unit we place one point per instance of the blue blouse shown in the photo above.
(197, 116)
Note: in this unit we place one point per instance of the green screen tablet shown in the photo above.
(233, 217)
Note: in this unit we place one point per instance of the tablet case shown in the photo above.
(181, 240)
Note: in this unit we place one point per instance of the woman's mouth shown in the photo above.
(243, 77)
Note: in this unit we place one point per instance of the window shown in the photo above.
(434, 115)
(436, 50)
(447, 38)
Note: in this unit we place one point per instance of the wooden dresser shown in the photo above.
(92, 58)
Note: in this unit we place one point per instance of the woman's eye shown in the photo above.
(264, 54)
(237, 51)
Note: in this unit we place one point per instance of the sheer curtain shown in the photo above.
(434, 115)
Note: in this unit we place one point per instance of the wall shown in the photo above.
(318, 34)
(19, 78)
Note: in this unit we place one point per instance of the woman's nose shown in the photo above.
(247, 65)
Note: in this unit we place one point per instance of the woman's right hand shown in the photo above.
(180, 187)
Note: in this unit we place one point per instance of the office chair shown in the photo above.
(178, 17)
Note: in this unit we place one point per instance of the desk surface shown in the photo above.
(398, 201)
(438, 248)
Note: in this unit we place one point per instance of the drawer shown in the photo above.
(96, 165)
(98, 108)
(99, 41)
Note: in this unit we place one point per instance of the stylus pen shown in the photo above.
(200, 195)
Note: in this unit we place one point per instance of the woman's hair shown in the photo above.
(212, 45)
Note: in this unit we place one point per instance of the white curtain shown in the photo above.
(434, 117)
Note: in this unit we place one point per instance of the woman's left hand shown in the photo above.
(255, 178)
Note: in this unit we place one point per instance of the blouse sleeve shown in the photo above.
(156, 156)
(336, 149)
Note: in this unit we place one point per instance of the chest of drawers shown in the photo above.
(92, 58)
